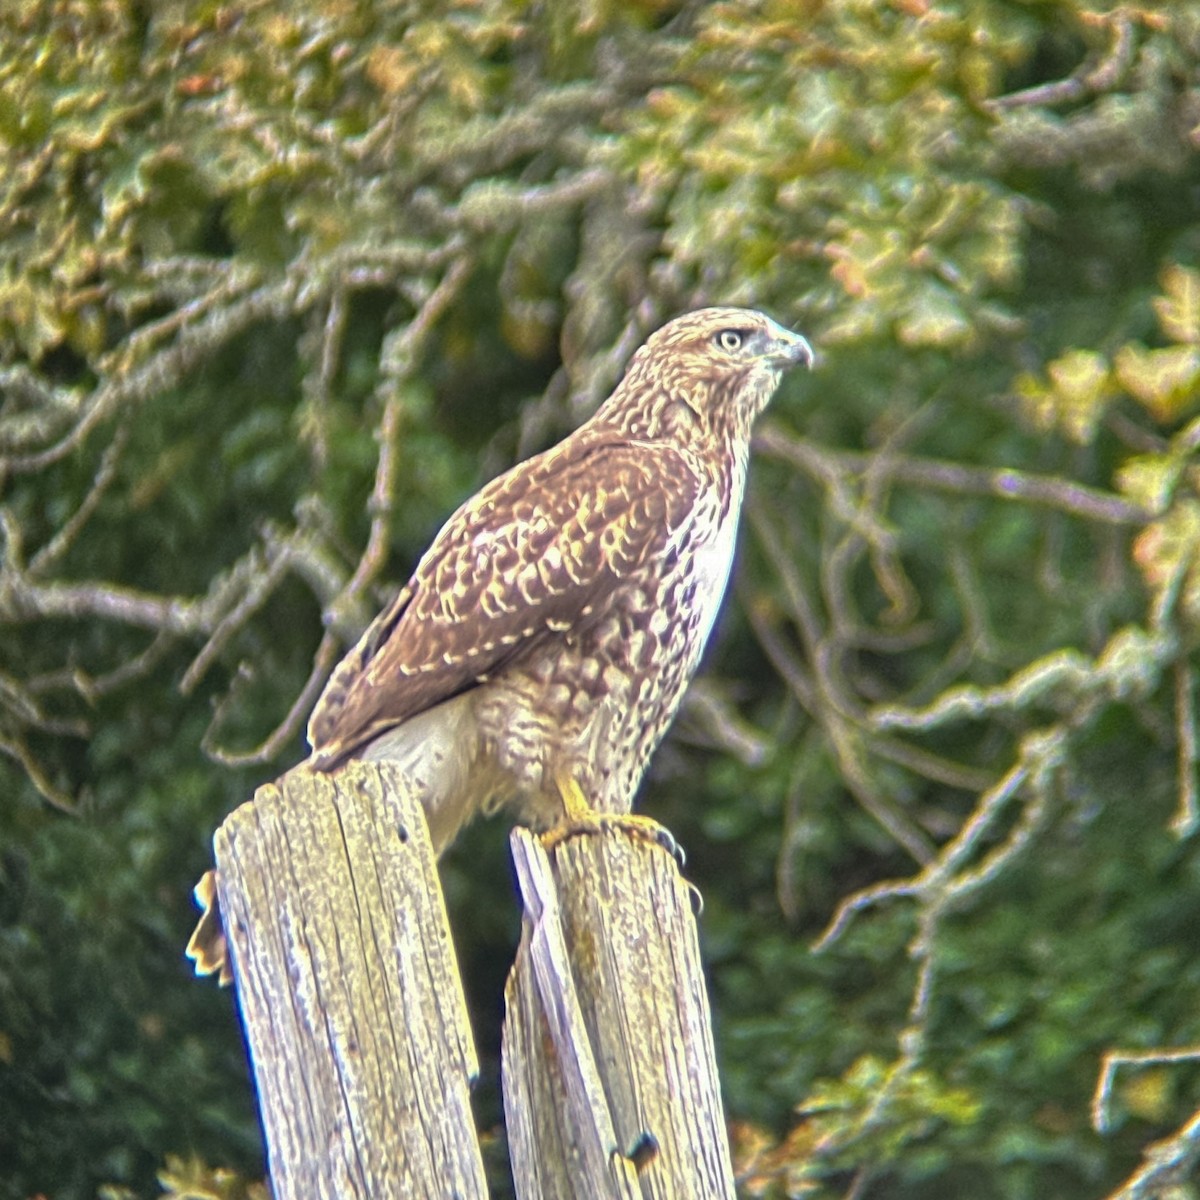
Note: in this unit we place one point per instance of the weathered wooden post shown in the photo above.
(610, 1080)
(349, 990)
(357, 1027)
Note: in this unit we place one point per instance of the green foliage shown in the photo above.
(279, 288)
(192, 1179)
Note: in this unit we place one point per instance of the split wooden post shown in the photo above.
(349, 990)
(610, 1080)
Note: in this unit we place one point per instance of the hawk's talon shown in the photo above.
(645, 828)
(664, 837)
(677, 852)
(579, 817)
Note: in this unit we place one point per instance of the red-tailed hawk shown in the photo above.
(547, 636)
(545, 640)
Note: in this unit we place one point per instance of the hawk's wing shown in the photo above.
(525, 560)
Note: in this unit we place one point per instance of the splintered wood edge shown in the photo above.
(586, 1125)
(349, 988)
(608, 1041)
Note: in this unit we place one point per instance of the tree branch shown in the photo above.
(1002, 483)
(1091, 79)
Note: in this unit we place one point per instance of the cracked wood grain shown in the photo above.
(349, 989)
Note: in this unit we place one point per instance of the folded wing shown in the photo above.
(530, 559)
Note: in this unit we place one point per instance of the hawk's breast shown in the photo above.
(710, 568)
(595, 697)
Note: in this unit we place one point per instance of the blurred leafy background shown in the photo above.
(280, 286)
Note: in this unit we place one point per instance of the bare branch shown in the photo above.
(1114, 1060)
(1131, 664)
(294, 551)
(230, 598)
(209, 321)
(1187, 816)
(198, 326)
(22, 601)
(1040, 758)
(936, 884)
(722, 725)
(824, 694)
(274, 742)
(933, 766)
(33, 409)
(53, 551)
(93, 687)
(400, 353)
(843, 738)
(482, 146)
(15, 747)
(235, 282)
(800, 605)
(264, 571)
(1003, 483)
(944, 883)
(12, 562)
(787, 665)
(860, 901)
(164, 368)
(1089, 80)
(19, 700)
(491, 205)
(328, 335)
(320, 562)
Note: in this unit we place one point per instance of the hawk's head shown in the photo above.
(722, 365)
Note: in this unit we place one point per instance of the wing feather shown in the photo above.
(527, 559)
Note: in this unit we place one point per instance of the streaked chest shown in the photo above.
(708, 560)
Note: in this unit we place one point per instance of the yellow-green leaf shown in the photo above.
(935, 318)
(1164, 382)
(1148, 480)
(1179, 308)
(1169, 548)
(1080, 385)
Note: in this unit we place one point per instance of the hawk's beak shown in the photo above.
(790, 349)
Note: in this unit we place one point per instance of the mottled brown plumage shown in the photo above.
(546, 637)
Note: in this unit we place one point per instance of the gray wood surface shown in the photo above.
(349, 990)
(610, 1081)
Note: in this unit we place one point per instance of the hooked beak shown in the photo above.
(787, 349)
(794, 350)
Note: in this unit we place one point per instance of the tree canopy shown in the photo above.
(280, 286)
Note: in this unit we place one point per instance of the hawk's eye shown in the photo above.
(730, 339)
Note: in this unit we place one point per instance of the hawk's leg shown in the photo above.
(581, 817)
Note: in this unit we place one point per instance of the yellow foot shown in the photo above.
(579, 817)
(575, 803)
